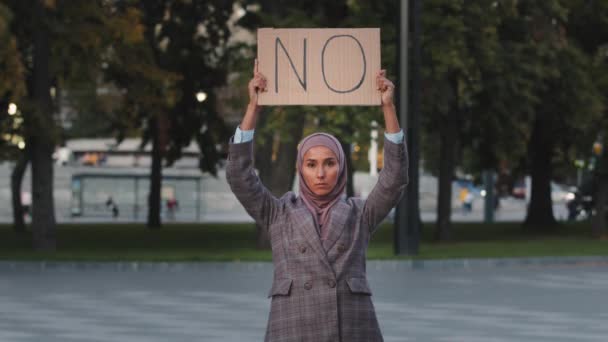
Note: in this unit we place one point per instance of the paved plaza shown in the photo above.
(227, 302)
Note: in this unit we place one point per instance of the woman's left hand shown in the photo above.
(386, 87)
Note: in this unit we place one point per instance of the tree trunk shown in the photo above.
(598, 222)
(447, 155)
(599, 219)
(540, 151)
(350, 182)
(283, 170)
(154, 200)
(40, 139)
(16, 181)
(350, 174)
(43, 208)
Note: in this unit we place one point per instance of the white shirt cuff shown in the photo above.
(242, 136)
(396, 138)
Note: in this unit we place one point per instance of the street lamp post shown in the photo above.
(201, 96)
(407, 220)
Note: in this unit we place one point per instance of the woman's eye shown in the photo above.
(311, 165)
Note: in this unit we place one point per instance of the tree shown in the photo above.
(589, 27)
(60, 43)
(12, 89)
(460, 45)
(182, 53)
(568, 100)
(501, 86)
(150, 92)
(196, 57)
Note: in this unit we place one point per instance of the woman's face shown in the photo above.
(320, 170)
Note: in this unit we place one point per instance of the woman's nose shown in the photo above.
(320, 173)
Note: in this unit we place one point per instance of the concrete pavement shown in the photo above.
(227, 302)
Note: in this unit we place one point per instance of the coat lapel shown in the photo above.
(336, 224)
(306, 226)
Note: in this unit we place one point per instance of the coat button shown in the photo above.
(307, 285)
(302, 249)
(331, 283)
(341, 248)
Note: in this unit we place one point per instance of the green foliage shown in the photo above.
(461, 58)
(564, 94)
(80, 34)
(125, 81)
(198, 58)
(119, 63)
(12, 73)
(589, 28)
(182, 53)
(510, 60)
(501, 61)
(12, 87)
(146, 90)
(490, 70)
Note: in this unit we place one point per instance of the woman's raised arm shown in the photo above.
(241, 176)
(387, 89)
(394, 176)
(256, 84)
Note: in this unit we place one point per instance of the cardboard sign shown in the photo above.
(319, 66)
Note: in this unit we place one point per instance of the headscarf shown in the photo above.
(320, 206)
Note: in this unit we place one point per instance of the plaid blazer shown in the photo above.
(319, 291)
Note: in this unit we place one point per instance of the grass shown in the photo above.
(236, 242)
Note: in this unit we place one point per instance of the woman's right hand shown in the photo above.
(256, 84)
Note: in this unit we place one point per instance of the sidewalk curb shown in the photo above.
(472, 264)
(377, 265)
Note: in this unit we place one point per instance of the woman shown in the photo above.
(319, 238)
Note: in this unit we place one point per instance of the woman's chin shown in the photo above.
(322, 192)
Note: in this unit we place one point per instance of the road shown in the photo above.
(217, 203)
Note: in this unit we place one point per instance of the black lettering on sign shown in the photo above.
(358, 85)
(276, 64)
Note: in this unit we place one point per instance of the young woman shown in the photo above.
(319, 238)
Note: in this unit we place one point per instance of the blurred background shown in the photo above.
(120, 111)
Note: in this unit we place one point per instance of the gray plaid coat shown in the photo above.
(319, 292)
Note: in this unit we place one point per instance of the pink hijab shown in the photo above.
(320, 206)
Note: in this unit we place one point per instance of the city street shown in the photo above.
(227, 302)
(218, 203)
